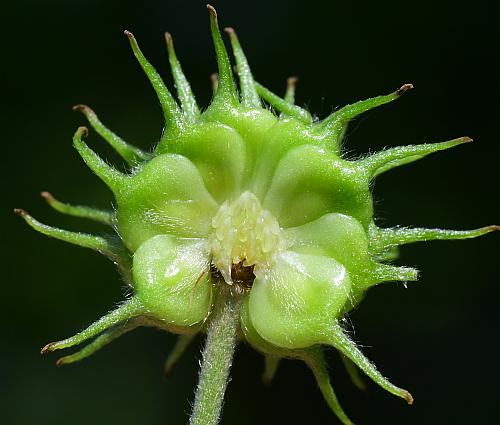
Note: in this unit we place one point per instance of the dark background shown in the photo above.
(437, 338)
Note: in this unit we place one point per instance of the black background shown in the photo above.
(437, 338)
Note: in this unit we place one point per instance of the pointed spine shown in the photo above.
(109, 175)
(171, 112)
(226, 89)
(291, 84)
(214, 80)
(282, 105)
(98, 343)
(128, 310)
(315, 360)
(186, 96)
(389, 273)
(339, 340)
(383, 239)
(102, 216)
(385, 160)
(96, 243)
(353, 373)
(334, 125)
(180, 347)
(106, 246)
(247, 84)
(389, 254)
(271, 364)
(129, 153)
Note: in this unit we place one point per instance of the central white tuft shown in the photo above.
(244, 233)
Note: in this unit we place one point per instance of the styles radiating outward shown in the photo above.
(249, 200)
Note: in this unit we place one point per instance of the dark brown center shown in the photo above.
(241, 275)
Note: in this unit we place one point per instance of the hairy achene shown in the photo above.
(246, 223)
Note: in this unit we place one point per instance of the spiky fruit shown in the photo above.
(241, 202)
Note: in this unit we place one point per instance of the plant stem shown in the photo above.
(217, 358)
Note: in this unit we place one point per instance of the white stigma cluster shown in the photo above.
(244, 233)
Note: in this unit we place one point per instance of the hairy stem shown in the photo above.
(217, 358)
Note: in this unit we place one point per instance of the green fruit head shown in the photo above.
(260, 201)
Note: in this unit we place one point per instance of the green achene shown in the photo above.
(244, 223)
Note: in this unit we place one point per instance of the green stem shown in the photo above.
(217, 358)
